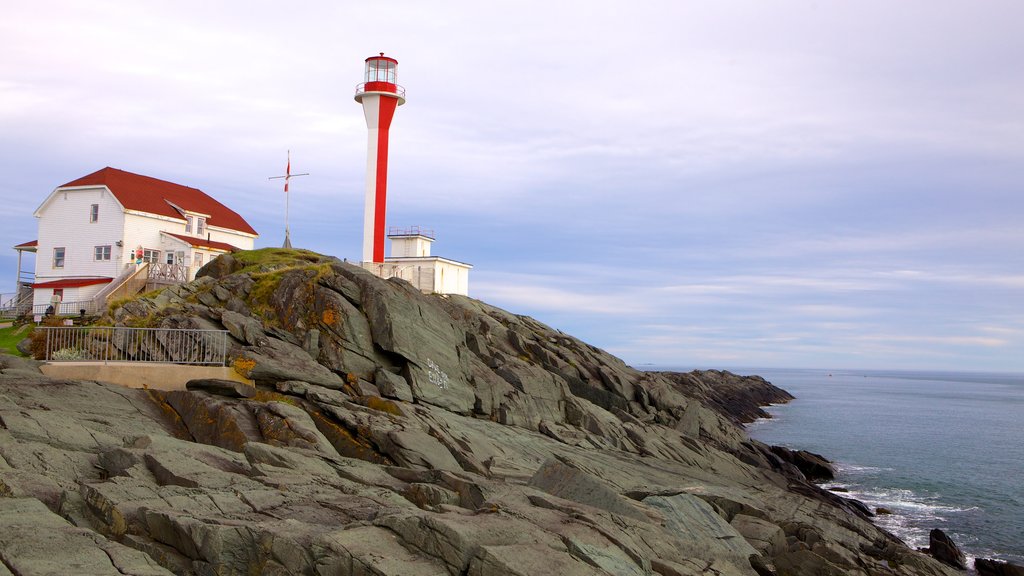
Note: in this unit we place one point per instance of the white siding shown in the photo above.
(410, 246)
(451, 278)
(236, 239)
(430, 275)
(145, 231)
(64, 222)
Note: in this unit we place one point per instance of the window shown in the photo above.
(198, 259)
(102, 253)
(188, 224)
(94, 213)
(58, 257)
(200, 226)
(170, 257)
(151, 256)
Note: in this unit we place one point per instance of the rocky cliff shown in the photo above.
(395, 433)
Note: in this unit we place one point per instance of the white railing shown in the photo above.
(69, 308)
(122, 344)
(13, 306)
(167, 273)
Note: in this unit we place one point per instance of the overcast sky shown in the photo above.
(695, 184)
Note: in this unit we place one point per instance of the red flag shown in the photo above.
(288, 171)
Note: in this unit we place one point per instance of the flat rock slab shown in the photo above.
(34, 540)
(570, 483)
(701, 532)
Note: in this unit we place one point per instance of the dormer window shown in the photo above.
(188, 224)
(94, 213)
(200, 226)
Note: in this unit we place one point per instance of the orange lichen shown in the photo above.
(271, 396)
(243, 365)
(382, 405)
(329, 317)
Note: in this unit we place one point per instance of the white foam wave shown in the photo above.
(845, 468)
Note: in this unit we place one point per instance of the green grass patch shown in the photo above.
(10, 336)
(266, 259)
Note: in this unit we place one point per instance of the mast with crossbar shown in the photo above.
(287, 176)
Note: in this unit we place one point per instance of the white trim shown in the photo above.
(412, 259)
(38, 213)
(173, 238)
(230, 231)
(155, 216)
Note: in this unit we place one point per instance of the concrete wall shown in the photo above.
(140, 375)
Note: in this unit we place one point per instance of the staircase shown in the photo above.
(129, 283)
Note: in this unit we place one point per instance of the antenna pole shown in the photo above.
(287, 176)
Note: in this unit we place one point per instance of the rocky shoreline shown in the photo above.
(391, 432)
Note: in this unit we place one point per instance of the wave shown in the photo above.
(845, 468)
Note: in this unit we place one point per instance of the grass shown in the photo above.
(266, 259)
(10, 336)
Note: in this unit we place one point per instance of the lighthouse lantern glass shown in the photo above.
(380, 70)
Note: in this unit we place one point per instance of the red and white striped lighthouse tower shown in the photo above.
(379, 94)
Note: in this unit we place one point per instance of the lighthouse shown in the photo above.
(380, 95)
(410, 258)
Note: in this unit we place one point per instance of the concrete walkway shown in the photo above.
(140, 374)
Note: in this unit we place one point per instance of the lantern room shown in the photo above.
(381, 77)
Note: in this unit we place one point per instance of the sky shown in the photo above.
(738, 183)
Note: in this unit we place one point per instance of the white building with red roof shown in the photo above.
(94, 231)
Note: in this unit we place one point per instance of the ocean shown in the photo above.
(939, 449)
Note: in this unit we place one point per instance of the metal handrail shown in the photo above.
(68, 308)
(124, 344)
(411, 231)
(399, 90)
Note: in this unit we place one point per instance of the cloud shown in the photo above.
(760, 177)
(530, 292)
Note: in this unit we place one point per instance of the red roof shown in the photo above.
(204, 243)
(72, 283)
(29, 244)
(145, 194)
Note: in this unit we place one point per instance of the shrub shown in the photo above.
(68, 354)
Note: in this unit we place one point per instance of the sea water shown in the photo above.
(939, 449)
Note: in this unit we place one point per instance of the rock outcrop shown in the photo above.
(943, 549)
(395, 433)
(986, 567)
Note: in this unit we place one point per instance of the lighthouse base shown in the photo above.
(430, 274)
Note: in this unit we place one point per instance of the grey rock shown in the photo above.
(221, 387)
(393, 386)
(767, 538)
(24, 346)
(986, 567)
(279, 361)
(943, 549)
(702, 532)
(243, 327)
(400, 433)
(34, 540)
(571, 483)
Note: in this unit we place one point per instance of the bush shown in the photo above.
(39, 337)
(67, 354)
